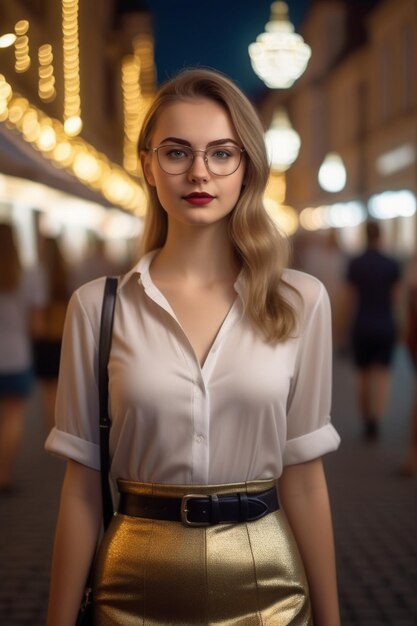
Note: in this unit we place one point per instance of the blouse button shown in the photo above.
(199, 438)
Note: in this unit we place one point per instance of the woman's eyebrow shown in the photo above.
(184, 142)
(221, 142)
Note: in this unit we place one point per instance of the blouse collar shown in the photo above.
(141, 269)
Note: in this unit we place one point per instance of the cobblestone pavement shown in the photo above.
(374, 509)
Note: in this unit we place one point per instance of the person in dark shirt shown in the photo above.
(372, 284)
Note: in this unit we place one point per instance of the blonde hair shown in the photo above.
(262, 251)
(10, 267)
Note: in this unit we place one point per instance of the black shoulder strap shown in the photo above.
(106, 328)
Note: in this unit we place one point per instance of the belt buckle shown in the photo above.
(185, 511)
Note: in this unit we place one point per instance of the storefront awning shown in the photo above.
(18, 158)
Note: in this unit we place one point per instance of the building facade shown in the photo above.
(64, 63)
(358, 99)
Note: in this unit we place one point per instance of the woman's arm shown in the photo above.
(304, 498)
(76, 538)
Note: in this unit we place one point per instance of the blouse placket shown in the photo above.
(200, 376)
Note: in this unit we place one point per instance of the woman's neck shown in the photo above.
(199, 256)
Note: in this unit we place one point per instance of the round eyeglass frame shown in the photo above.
(241, 150)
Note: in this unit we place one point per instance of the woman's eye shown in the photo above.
(176, 154)
(221, 154)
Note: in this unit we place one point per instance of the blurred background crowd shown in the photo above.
(338, 100)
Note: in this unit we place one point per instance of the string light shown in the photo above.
(21, 46)
(21, 27)
(72, 101)
(21, 50)
(138, 88)
(5, 97)
(131, 116)
(47, 137)
(46, 87)
(75, 155)
(59, 142)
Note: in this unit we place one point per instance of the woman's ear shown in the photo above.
(145, 159)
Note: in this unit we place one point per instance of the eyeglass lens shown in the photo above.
(220, 160)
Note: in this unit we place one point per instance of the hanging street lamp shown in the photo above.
(282, 141)
(282, 144)
(279, 56)
(332, 173)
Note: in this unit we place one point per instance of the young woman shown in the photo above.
(219, 392)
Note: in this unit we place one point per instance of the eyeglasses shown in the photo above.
(219, 160)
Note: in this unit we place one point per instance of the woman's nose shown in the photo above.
(199, 169)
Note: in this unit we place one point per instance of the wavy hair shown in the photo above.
(260, 248)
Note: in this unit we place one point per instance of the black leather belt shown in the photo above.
(201, 510)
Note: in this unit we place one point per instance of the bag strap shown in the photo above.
(106, 328)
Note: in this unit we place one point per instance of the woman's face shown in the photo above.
(197, 196)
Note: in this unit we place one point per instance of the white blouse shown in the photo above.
(251, 409)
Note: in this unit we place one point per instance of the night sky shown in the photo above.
(213, 33)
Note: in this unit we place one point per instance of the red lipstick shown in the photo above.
(198, 199)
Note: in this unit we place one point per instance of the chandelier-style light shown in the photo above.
(282, 141)
(279, 56)
(283, 145)
(332, 173)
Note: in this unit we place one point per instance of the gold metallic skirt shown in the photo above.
(157, 572)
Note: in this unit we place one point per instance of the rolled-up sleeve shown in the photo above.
(310, 433)
(76, 432)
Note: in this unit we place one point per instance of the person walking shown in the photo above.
(220, 385)
(21, 300)
(47, 343)
(372, 290)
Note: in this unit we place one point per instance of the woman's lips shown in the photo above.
(198, 199)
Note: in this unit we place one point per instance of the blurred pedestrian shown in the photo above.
(410, 283)
(47, 343)
(324, 259)
(94, 264)
(21, 298)
(372, 290)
